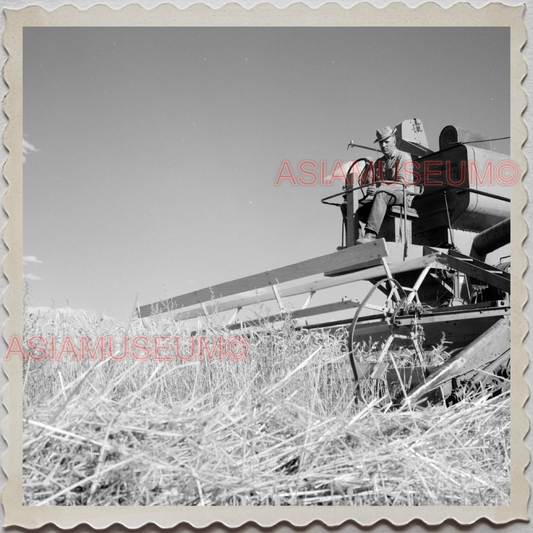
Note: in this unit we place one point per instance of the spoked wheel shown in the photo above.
(371, 368)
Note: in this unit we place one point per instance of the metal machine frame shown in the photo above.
(430, 287)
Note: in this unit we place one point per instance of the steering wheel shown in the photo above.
(364, 176)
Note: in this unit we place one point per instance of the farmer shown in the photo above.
(390, 174)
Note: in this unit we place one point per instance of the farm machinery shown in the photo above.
(424, 291)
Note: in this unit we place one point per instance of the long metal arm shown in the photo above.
(473, 191)
(351, 144)
(346, 191)
(483, 140)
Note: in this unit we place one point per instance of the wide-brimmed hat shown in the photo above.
(384, 133)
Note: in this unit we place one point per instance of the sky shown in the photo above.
(151, 154)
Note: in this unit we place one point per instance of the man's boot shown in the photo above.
(369, 237)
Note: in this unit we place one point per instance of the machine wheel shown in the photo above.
(371, 370)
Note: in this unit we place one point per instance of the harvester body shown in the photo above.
(460, 298)
(430, 292)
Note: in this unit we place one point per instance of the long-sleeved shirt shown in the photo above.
(396, 169)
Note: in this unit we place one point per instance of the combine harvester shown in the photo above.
(423, 288)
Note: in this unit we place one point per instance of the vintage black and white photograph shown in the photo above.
(267, 266)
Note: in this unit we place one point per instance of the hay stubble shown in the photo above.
(278, 428)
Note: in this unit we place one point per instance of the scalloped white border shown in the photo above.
(395, 14)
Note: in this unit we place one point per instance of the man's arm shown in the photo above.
(404, 172)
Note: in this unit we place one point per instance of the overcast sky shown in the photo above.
(152, 153)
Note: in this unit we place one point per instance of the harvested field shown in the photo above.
(277, 428)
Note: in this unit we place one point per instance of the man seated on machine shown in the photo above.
(390, 176)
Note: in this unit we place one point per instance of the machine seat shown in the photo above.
(397, 211)
(397, 227)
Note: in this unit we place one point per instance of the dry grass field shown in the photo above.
(280, 427)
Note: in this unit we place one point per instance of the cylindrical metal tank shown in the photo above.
(460, 188)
